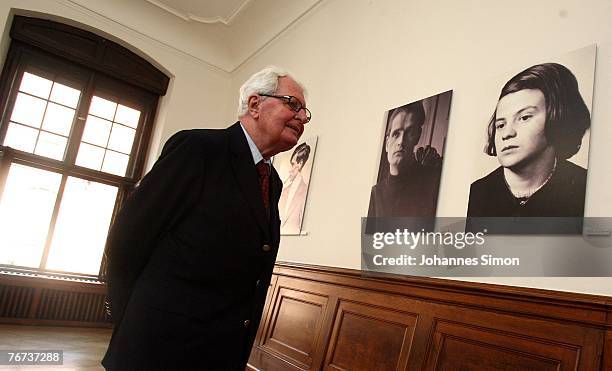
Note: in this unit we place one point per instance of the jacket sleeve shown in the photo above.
(159, 201)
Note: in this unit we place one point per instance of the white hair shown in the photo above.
(262, 82)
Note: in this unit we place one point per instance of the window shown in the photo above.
(73, 136)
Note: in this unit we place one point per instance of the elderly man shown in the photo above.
(190, 254)
(411, 186)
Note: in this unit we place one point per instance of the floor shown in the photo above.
(83, 347)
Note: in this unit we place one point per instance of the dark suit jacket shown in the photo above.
(190, 257)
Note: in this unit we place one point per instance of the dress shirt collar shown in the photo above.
(257, 157)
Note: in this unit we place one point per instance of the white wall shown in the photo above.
(359, 58)
(198, 96)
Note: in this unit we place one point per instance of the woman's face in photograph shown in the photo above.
(295, 168)
(520, 121)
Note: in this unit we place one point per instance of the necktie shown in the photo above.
(264, 181)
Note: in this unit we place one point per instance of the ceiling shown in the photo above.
(222, 33)
(209, 11)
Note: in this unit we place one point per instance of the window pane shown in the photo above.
(102, 108)
(65, 95)
(82, 225)
(115, 163)
(28, 110)
(35, 85)
(127, 116)
(25, 213)
(51, 145)
(96, 131)
(21, 137)
(121, 138)
(90, 156)
(58, 119)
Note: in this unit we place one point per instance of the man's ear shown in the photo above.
(253, 106)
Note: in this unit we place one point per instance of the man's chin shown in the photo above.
(291, 139)
(292, 132)
(286, 144)
(405, 164)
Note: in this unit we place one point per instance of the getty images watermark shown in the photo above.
(460, 247)
(410, 240)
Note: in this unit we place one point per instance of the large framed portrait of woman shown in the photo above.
(528, 144)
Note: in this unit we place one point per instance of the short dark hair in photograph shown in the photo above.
(567, 116)
(414, 108)
(301, 153)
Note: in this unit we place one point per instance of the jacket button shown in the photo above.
(246, 323)
(266, 248)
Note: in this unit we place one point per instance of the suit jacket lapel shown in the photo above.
(246, 175)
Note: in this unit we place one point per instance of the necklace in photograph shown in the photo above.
(524, 196)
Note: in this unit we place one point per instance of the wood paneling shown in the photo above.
(369, 338)
(337, 319)
(296, 325)
(458, 346)
(459, 354)
(607, 352)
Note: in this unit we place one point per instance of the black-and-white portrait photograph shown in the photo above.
(536, 134)
(294, 168)
(411, 159)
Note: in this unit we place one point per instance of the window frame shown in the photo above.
(28, 51)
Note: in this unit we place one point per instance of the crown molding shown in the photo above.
(188, 17)
(139, 35)
(228, 68)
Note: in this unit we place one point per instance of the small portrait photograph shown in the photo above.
(411, 159)
(536, 138)
(294, 168)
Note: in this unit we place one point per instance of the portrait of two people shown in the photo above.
(536, 133)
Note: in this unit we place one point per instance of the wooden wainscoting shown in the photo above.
(46, 301)
(319, 318)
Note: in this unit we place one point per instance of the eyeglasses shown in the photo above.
(293, 103)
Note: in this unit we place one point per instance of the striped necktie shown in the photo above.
(264, 181)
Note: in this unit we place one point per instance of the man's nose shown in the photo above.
(400, 139)
(301, 115)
